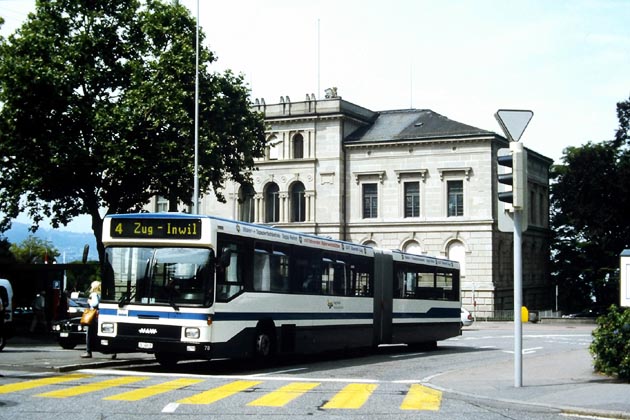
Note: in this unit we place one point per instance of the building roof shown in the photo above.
(413, 124)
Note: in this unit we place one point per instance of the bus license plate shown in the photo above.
(145, 346)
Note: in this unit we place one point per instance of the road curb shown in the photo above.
(102, 364)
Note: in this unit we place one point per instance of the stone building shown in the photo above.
(407, 179)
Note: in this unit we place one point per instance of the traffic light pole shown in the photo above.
(518, 298)
(513, 122)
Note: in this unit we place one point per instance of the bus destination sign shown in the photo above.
(156, 228)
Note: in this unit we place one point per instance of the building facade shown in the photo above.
(404, 179)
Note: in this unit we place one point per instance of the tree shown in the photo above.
(33, 250)
(97, 112)
(590, 200)
(6, 256)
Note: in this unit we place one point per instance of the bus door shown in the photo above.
(383, 291)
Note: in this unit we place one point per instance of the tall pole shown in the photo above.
(196, 175)
(514, 122)
(518, 299)
(318, 61)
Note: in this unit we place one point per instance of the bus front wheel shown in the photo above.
(264, 345)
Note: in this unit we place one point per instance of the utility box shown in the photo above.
(624, 279)
(524, 314)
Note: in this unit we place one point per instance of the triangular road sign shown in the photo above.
(513, 122)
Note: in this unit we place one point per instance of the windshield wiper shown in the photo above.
(125, 299)
(171, 302)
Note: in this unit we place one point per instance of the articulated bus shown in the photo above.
(185, 286)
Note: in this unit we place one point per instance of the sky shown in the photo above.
(568, 61)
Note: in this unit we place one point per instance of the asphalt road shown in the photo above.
(468, 377)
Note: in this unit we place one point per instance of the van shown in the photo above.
(6, 298)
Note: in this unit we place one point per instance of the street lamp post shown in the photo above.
(195, 206)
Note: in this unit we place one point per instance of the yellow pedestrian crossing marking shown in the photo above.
(219, 393)
(422, 398)
(152, 390)
(36, 383)
(353, 396)
(92, 387)
(284, 395)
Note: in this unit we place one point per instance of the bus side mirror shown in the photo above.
(226, 256)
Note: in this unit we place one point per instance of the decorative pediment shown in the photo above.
(416, 173)
(369, 174)
(465, 170)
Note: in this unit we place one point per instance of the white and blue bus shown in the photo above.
(186, 286)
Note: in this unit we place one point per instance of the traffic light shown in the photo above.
(516, 178)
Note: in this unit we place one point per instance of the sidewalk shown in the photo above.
(51, 357)
(564, 381)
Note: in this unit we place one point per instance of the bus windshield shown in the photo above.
(158, 276)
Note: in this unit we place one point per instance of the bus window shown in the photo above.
(262, 271)
(230, 275)
(418, 282)
(410, 283)
(339, 279)
(328, 274)
(361, 281)
(279, 270)
(306, 274)
(177, 276)
(447, 281)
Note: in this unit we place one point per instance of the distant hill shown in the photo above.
(70, 243)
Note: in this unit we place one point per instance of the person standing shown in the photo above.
(94, 299)
(39, 311)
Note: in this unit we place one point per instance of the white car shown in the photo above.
(6, 310)
(467, 318)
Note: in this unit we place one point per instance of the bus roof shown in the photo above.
(238, 228)
(262, 232)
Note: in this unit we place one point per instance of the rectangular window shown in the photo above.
(161, 205)
(370, 201)
(531, 205)
(412, 199)
(455, 192)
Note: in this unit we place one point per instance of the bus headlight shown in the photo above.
(107, 327)
(192, 333)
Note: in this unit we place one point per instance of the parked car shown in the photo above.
(77, 306)
(587, 313)
(6, 311)
(69, 332)
(467, 318)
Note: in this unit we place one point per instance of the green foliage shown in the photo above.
(33, 250)
(98, 106)
(589, 218)
(611, 343)
(79, 279)
(6, 256)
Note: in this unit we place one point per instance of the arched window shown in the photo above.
(298, 202)
(246, 203)
(457, 252)
(273, 148)
(298, 146)
(370, 243)
(413, 247)
(272, 203)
